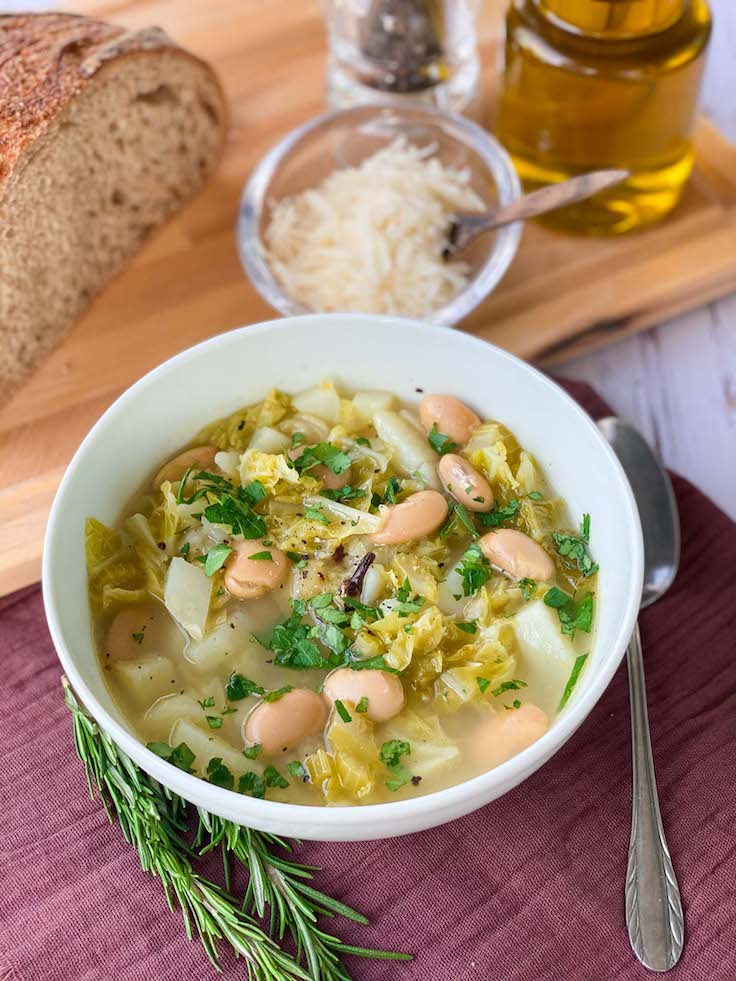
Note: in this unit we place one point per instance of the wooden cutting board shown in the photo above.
(561, 296)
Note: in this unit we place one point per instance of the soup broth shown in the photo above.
(338, 600)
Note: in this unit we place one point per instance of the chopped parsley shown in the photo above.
(184, 550)
(458, 518)
(239, 686)
(572, 680)
(362, 705)
(296, 440)
(439, 442)
(499, 515)
(215, 558)
(483, 684)
(206, 703)
(253, 493)
(252, 784)
(467, 626)
(573, 616)
(276, 694)
(297, 769)
(252, 752)
(342, 711)
(235, 512)
(535, 496)
(138, 637)
(273, 778)
(346, 493)
(475, 570)
(316, 514)
(407, 606)
(219, 775)
(513, 685)
(261, 557)
(214, 721)
(362, 441)
(576, 548)
(180, 756)
(390, 755)
(528, 588)
(324, 454)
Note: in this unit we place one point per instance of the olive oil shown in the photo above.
(604, 83)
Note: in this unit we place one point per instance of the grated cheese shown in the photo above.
(369, 238)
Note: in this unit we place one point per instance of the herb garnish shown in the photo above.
(273, 778)
(252, 784)
(342, 711)
(261, 557)
(499, 515)
(206, 703)
(573, 616)
(475, 570)
(215, 558)
(513, 685)
(239, 686)
(390, 755)
(297, 769)
(439, 442)
(458, 515)
(214, 721)
(407, 606)
(252, 752)
(483, 684)
(572, 547)
(138, 637)
(276, 694)
(180, 756)
(346, 493)
(218, 774)
(572, 680)
(467, 626)
(528, 588)
(322, 453)
(362, 705)
(316, 514)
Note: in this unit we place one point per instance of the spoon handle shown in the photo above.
(654, 915)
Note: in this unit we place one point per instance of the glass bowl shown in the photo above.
(344, 138)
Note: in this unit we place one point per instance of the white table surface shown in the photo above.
(676, 382)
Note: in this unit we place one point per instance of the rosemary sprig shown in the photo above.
(277, 885)
(153, 820)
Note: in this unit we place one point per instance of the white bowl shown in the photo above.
(167, 407)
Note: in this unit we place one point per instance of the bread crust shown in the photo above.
(46, 61)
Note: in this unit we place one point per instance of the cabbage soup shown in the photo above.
(334, 599)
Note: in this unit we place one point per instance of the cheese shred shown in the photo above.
(369, 238)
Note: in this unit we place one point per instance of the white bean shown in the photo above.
(283, 724)
(382, 690)
(247, 578)
(452, 417)
(463, 481)
(199, 458)
(517, 554)
(419, 515)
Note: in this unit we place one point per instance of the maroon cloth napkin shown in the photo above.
(530, 887)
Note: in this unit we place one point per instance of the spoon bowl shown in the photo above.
(656, 502)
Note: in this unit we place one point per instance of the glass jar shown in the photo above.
(604, 83)
(381, 51)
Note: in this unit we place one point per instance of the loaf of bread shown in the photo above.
(104, 134)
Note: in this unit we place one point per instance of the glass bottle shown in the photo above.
(604, 83)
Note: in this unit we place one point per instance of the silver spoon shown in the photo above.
(654, 915)
(466, 226)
